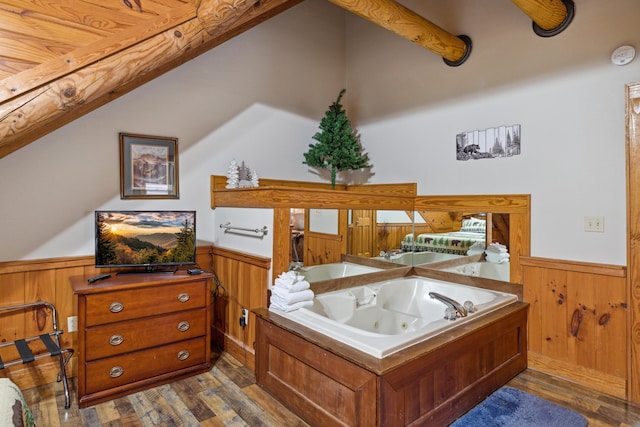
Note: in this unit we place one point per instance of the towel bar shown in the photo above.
(263, 231)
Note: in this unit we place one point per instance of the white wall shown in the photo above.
(260, 96)
(563, 91)
(257, 98)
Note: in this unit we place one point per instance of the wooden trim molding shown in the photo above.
(575, 266)
(633, 235)
(273, 193)
(610, 384)
(503, 203)
(250, 259)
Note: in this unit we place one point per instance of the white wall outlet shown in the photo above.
(72, 324)
(244, 320)
(594, 224)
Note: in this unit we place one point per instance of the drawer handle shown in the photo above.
(183, 326)
(116, 307)
(116, 339)
(183, 355)
(183, 297)
(116, 371)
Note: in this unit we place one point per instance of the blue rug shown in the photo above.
(511, 407)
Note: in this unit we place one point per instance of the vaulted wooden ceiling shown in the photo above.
(60, 59)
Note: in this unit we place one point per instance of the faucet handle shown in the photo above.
(470, 307)
(450, 313)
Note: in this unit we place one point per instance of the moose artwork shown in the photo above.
(502, 141)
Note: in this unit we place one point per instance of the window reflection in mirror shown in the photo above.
(323, 221)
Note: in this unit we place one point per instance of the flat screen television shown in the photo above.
(149, 239)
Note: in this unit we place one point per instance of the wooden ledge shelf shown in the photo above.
(286, 194)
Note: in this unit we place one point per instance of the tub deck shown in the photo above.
(430, 383)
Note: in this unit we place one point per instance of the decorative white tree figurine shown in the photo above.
(254, 178)
(232, 174)
(243, 174)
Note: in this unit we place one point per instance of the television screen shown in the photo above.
(145, 238)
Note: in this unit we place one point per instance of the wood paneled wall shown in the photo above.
(46, 280)
(389, 236)
(243, 284)
(578, 322)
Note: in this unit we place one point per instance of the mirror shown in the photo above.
(439, 236)
(445, 232)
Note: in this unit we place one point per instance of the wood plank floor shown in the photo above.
(228, 396)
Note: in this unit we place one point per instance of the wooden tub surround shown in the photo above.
(431, 383)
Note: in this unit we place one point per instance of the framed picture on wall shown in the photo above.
(148, 167)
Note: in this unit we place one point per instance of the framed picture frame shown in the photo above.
(148, 167)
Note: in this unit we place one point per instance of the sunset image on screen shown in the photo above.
(145, 238)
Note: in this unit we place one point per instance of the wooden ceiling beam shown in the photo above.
(550, 17)
(217, 15)
(43, 109)
(396, 18)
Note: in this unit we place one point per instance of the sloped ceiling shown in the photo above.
(61, 59)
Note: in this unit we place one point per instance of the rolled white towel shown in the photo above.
(292, 297)
(496, 258)
(497, 248)
(300, 286)
(476, 248)
(289, 307)
(286, 279)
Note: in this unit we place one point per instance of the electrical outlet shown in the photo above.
(72, 323)
(594, 224)
(244, 319)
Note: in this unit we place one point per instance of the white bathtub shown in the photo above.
(416, 258)
(385, 317)
(489, 270)
(316, 273)
(429, 257)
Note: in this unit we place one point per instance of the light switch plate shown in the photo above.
(594, 224)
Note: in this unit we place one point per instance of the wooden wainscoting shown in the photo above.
(47, 280)
(578, 322)
(244, 279)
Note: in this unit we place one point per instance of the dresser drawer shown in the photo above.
(128, 304)
(131, 367)
(132, 335)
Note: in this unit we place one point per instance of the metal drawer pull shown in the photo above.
(183, 297)
(116, 339)
(116, 307)
(183, 326)
(116, 371)
(183, 355)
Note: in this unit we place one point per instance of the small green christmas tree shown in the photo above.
(338, 147)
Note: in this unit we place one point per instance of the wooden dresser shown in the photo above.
(139, 331)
